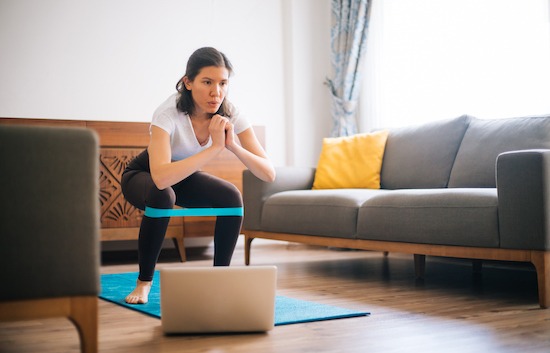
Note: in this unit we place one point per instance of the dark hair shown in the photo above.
(202, 57)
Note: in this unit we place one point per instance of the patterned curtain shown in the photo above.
(348, 41)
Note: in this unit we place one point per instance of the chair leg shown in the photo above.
(180, 247)
(179, 243)
(247, 246)
(541, 260)
(84, 315)
(82, 311)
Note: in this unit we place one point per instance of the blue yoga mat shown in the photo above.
(115, 287)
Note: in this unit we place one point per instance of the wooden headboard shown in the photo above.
(119, 143)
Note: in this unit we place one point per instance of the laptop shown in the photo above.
(218, 299)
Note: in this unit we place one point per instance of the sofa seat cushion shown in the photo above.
(463, 217)
(328, 212)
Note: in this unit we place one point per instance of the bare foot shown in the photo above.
(140, 295)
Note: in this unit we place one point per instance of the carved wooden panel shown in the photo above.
(116, 212)
(119, 143)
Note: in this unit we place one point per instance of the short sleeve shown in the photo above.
(164, 122)
(239, 121)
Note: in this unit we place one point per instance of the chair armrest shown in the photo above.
(523, 184)
(49, 228)
(256, 191)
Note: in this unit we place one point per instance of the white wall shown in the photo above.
(307, 48)
(117, 60)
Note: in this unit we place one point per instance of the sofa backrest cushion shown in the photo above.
(421, 156)
(484, 140)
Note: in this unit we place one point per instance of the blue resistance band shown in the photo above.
(184, 212)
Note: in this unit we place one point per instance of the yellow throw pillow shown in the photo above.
(351, 162)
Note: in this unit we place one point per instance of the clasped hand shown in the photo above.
(221, 131)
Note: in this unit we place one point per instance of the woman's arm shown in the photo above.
(251, 153)
(166, 173)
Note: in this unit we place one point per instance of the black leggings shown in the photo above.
(197, 190)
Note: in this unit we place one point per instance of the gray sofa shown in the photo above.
(464, 187)
(49, 227)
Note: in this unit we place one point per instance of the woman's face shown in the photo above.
(208, 89)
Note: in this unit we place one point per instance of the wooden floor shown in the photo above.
(453, 310)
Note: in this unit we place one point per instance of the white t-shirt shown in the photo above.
(183, 141)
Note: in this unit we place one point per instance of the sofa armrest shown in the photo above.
(523, 184)
(256, 191)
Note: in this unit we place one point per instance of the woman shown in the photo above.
(187, 131)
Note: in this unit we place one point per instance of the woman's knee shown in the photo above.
(140, 190)
(156, 198)
(233, 196)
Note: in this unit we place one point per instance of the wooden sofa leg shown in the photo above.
(247, 246)
(84, 315)
(477, 266)
(541, 260)
(419, 265)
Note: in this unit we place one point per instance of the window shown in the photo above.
(438, 59)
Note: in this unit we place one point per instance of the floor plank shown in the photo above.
(452, 310)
